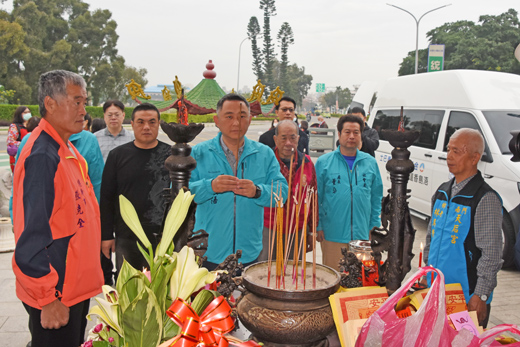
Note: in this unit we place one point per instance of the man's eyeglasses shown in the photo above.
(291, 110)
(115, 115)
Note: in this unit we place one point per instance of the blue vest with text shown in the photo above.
(452, 248)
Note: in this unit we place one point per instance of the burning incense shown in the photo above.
(270, 249)
(279, 240)
(288, 197)
(401, 122)
(314, 213)
(238, 140)
(420, 255)
(304, 234)
(290, 237)
(296, 229)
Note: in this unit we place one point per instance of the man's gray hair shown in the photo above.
(54, 83)
(474, 137)
(288, 122)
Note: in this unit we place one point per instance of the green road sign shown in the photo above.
(320, 87)
(435, 58)
(435, 64)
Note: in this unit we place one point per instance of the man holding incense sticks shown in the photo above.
(349, 192)
(464, 238)
(298, 170)
(232, 185)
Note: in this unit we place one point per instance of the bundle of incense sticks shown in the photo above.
(314, 226)
(288, 233)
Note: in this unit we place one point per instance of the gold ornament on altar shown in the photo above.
(178, 87)
(135, 90)
(166, 94)
(258, 91)
(233, 91)
(274, 97)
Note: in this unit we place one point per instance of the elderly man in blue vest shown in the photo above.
(232, 185)
(464, 236)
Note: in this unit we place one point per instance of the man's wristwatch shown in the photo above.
(258, 192)
(483, 297)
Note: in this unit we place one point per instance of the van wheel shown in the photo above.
(508, 240)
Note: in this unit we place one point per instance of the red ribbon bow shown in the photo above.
(208, 329)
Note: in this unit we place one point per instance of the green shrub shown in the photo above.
(336, 115)
(97, 111)
(7, 111)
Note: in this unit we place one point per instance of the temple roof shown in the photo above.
(206, 94)
(161, 105)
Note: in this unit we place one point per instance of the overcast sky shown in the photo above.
(339, 42)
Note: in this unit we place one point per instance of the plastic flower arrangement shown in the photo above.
(134, 314)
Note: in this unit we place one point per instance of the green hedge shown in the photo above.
(7, 112)
(97, 111)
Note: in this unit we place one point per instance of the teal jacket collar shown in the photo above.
(214, 145)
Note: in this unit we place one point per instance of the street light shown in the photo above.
(239, 51)
(417, 29)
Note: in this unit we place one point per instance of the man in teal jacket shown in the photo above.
(349, 192)
(232, 185)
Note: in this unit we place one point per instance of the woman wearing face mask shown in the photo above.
(17, 131)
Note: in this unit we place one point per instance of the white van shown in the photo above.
(439, 103)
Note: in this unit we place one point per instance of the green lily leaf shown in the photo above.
(142, 320)
(160, 281)
(131, 289)
(127, 271)
(170, 329)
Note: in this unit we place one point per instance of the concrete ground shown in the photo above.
(13, 318)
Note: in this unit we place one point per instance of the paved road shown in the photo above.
(13, 318)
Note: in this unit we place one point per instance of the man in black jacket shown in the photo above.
(285, 109)
(369, 137)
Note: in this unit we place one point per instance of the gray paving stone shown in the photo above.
(10, 309)
(8, 290)
(2, 321)
(14, 340)
(15, 324)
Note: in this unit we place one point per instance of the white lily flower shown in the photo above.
(107, 310)
(188, 277)
(174, 220)
(132, 220)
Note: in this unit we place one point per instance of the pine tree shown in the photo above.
(253, 30)
(268, 52)
(286, 38)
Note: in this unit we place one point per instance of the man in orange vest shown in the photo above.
(56, 219)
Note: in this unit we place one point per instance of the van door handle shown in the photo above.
(427, 155)
(487, 176)
(442, 158)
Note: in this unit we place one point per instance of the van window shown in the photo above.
(501, 124)
(354, 104)
(428, 122)
(459, 120)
